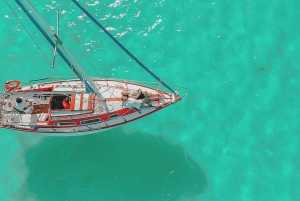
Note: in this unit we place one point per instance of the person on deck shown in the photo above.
(23, 105)
(139, 94)
(132, 103)
(147, 102)
(136, 94)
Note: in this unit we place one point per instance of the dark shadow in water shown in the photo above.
(112, 166)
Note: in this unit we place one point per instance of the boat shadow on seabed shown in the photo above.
(112, 166)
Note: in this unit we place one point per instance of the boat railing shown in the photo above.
(156, 85)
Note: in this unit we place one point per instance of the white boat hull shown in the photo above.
(86, 114)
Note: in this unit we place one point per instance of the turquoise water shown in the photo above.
(239, 140)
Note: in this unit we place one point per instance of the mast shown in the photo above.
(56, 43)
(121, 46)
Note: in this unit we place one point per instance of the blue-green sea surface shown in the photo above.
(238, 140)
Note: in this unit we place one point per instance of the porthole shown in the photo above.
(65, 124)
(90, 121)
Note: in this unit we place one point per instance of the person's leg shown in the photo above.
(154, 97)
(146, 101)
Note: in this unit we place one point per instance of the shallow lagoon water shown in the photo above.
(239, 140)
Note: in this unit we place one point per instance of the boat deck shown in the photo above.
(85, 112)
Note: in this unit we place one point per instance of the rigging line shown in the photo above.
(193, 97)
(63, 78)
(39, 79)
(27, 31)
(72, 67)
(200, 94)
(47, 33)
(38, 26)
(209, 91)
(33, 39)
(158, 87)
(55, 51)
(121, 46)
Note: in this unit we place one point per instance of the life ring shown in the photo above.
(12, 84)
(65, 104)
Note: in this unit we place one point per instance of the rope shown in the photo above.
(193, 97)
(209, 91)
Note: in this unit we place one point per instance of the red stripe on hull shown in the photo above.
(103, 117)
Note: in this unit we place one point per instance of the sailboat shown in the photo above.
(79, 106)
